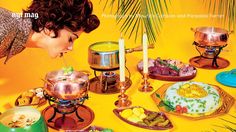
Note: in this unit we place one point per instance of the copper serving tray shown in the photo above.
(227, 103)
(201, 62)
(168, 78)
(168, 126)
(70, 121)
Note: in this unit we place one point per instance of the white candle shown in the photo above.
(122, 59)
(145, 54)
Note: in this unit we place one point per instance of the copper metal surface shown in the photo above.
(205, 63)
(123, 101)
(67, 87)
(104, 60)
(211, 36)
(146, 87)
(70, 121)
(99, 87)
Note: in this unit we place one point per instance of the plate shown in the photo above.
(28, 99)
(168, 77)
(205, 63)
(68, 122)
(226, 99)
(168, 126)
(227, 78)
(95, 128)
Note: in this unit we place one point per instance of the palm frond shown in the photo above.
(214, 130)
(232, 115)
(139, 14)
(226, 127)
(228, 121)
(227, 8)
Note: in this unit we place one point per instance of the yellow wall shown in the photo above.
(25, 70)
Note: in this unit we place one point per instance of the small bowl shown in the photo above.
(37, 126)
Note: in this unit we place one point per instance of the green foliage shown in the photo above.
(107, 130)
(138, 16)
(231, 122)
(169, 65)
(227, 8)
(165, 103)
(68, 70)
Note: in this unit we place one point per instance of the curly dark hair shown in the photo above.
(57, 14)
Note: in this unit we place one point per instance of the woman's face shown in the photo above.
(63, 43)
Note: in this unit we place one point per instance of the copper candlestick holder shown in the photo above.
(145, 84)
(123, 98)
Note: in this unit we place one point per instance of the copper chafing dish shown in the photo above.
(67, 86)
(209, 42)
(104, 56)
(211, 36)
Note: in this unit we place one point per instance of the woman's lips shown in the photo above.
(61, 54)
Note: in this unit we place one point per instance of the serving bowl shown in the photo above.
(38, 126)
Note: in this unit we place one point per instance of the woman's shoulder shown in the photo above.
(5, 12)
(7, 22)
(6, 17)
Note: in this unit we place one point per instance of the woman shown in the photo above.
(49, 24)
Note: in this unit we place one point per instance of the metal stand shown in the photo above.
(145, 85)
(123, 98)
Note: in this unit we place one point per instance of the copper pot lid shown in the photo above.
(67, 85)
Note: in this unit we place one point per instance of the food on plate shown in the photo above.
(134, 115)
(168, 67)
(192, 98)
(29, 94)
(97, 129)
(140, 116)
(20, 119)
(24, 101)
(31, 97)
(35, 100)
(104, 130)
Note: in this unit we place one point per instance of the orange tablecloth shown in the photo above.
(25, 70)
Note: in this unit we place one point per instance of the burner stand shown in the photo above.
(107, 82)
(67, 114)
(209, 58)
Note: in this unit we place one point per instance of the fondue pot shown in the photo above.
(67, 86)
(104, 56)
(211, 36)
(209, 42)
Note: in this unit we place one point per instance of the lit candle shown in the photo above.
(122, 59)
(145, 53)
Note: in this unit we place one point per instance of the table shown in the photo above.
(25, 70)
